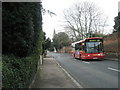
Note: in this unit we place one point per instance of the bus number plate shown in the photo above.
(95, 58)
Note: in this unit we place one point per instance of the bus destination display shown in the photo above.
(94, 40)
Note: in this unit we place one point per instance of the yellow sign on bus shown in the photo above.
(83, 44)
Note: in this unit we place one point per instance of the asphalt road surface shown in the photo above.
(90, 74)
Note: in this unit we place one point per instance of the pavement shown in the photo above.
(51, 75)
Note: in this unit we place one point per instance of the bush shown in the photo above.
(111, 43)
(23, 41)
(22, 24)
(18, 72)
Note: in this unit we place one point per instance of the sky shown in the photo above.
(109, 7)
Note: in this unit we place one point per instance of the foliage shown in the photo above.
(117, 22)
(60, 40)
(48, 12)
(23, 42)
(21, 27)
(18, 72)
(97, 35)
(51, 47)
(111, 43)
(47, 44)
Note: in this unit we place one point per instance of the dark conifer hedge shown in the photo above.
(22, 42)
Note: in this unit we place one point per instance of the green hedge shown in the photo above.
(18, 72)
(23, 42)
(21, 27)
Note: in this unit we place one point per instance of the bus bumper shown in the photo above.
(92, 57)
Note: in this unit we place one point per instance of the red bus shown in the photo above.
(89, 48)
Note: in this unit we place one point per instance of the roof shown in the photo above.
(94, 38)
(73, 44)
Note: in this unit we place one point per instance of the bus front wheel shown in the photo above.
(80, 57)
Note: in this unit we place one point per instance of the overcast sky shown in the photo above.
(109, 7)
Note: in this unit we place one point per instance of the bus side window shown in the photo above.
(77, 46)
(80, 47)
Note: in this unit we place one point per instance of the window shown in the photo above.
(94, 47)
(77, 46)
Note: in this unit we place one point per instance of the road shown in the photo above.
(90, 74)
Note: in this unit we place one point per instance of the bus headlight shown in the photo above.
(88, 55)
(99, 54)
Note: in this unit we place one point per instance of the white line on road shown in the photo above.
(113, 69)
(78, 85)
(86, 62)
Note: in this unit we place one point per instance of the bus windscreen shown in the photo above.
(94, 47)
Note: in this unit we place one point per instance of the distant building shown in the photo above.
(54, 33)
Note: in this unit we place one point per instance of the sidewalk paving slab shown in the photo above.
(50, 75)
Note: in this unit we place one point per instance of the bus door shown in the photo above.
(77, 50)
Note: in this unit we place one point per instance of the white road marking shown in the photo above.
(77, 84)
(86, 62)
(113, 69)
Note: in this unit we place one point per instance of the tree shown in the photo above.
(51, 47)
(23, 42)
(22, 27)
(60, 40)
(117, 22)
(47, 44)
(97, 35)
(83, 20)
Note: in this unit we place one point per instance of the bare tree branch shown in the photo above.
(83, 19)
